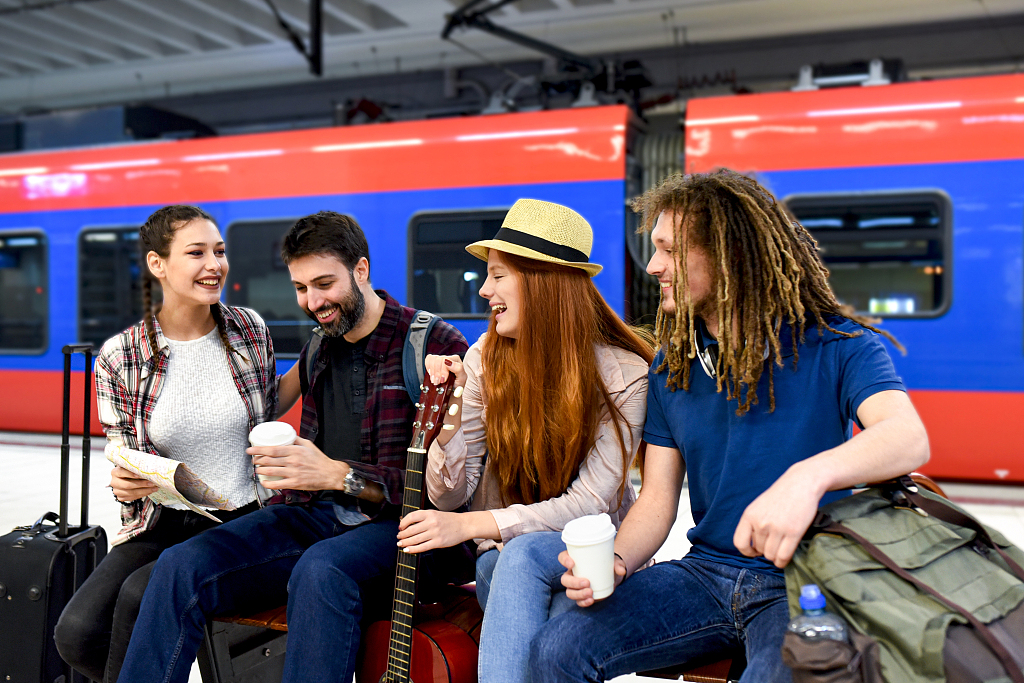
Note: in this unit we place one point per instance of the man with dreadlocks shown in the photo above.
(760, 374)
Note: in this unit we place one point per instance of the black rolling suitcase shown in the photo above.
(42, 565)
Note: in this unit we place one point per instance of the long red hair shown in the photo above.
(545, 397)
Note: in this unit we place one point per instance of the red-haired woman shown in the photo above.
(551, 418)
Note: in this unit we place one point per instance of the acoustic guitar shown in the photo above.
(436, 651)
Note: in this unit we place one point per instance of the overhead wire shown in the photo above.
(31, 7)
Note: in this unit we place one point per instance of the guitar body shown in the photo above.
(441, 653)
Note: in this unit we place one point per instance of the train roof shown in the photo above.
(968, 119)
(506, 149)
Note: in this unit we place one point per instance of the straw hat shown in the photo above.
(545, 232)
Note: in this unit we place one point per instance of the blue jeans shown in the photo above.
(302, 554)
(484, 572)
(666, 615)
(522, 590)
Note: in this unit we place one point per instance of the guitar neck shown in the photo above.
(428, 423)
(400, 646)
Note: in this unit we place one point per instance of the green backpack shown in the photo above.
(940, 593)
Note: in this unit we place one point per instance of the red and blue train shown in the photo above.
(420, 190)
(914, 191)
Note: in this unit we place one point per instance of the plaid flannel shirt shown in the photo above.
(387, 423)
(128, 382)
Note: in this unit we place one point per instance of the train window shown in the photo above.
(109, 294)
(259, 280)
(443, 277)
(23, 292)
(888, 253)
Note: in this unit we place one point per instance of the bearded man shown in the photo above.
(329, 536)
(760, 375)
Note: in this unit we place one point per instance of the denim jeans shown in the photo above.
(523, 591)
(484, 572)
(93, 630)
(666, 615)
(302, 554)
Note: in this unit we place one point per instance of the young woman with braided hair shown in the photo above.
(752, 396)
(188, 382)
(549, 424)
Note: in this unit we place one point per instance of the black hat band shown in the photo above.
(541, 245)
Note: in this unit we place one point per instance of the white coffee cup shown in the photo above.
(590, 541)
(267, 434)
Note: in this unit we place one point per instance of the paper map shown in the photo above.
(178, 484)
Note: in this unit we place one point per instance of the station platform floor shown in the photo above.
(30, 486)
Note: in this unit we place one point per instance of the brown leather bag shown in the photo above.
(832, 661)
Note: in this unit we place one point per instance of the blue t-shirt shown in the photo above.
(730, 459)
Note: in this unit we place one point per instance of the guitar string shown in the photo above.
(399, 661)
(400, 653)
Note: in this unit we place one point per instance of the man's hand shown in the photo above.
(893, 442)
(424, 530)
(773, 524)
(127, 487)
(577, 588)
(303, 466)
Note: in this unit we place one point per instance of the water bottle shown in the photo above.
(815, 623)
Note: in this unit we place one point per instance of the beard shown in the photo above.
(350, 312)
(703, 307)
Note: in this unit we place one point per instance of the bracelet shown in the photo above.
(627, 574)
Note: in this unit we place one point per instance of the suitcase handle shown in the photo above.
(65, 443)
(36, 528)
(48, 517)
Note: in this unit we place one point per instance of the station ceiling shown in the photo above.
(71, 53)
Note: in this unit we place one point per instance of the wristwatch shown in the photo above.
(353, 484)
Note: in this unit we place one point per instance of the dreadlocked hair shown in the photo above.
(765, 271)
(545, 397)
(156, 235)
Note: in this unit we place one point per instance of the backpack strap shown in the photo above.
(415, 350)
(950, 515)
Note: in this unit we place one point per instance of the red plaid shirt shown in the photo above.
(129, 378)
(387, 423)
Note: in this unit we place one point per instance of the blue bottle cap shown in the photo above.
(811, 597)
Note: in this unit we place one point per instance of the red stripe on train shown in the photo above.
(561, 146)
(951, 120)
(974, 435)
(32, 402)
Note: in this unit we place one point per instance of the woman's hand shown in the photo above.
(127, 487)
(424, 530)
(438, 368)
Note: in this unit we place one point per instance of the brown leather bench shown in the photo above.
(250, 648)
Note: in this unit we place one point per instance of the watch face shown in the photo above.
(354, 483)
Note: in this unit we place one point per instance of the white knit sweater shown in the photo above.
(200, 419)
